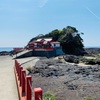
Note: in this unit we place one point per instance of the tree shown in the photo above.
(71, 41)
(55, 34)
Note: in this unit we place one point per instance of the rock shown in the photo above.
(72, 86)
(77, 72)
(54, 68)
(71, 58)
(68, 77)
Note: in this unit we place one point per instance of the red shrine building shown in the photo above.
(43, 43)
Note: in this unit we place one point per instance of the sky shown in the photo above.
(21, 20)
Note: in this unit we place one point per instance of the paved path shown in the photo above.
(28, 61)
(22, 53)
(8, 88)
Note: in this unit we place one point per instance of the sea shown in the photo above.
(6, 49)
(92, 47)
(11, 48)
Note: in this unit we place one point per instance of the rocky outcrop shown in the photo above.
(55, 68)
(67, 79)
(71, 58)
(92, 51)
(84, 59)
(4, 53)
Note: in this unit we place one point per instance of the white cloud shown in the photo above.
(42, 3)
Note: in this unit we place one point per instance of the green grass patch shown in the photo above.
(49, 96)
(88, 98)
(29, 69)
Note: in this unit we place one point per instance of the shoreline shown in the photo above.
(62, 78)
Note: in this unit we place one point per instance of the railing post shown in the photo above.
(15, 66)
(28, 88)
(18, 71)
(23, 76)
(21, 68)
(37, 94)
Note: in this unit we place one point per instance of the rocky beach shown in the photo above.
(65, 79)
(68, 81)
(75, 80)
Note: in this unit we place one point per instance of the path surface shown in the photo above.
(8, 88)
(28, 62)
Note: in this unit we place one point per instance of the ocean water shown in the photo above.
(6, 49)
(92, 47)
(11, 48)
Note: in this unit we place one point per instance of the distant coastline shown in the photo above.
(7, 49)
(91, 46)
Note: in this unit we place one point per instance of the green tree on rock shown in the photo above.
(71, 41)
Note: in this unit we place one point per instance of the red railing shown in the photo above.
(24, 85)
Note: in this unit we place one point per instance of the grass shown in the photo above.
(49, 96)
(88, 98)
(87, 57)
(29, 69)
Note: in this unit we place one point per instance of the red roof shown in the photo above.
(55, 42)
(17, 49)
(41, 40)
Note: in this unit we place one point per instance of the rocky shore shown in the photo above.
(74, 80)
(55, 68)
(4, 53)
(62, 78)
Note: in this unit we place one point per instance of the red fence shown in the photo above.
(24, 85)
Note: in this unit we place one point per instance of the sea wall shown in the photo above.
(47, 54)
(41, 53)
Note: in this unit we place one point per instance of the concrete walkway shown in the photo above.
(8, 88)
(28, 62)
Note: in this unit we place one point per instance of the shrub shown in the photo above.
(49, 96)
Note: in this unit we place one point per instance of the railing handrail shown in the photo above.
(20, 73)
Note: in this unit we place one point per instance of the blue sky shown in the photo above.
(21, 20)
